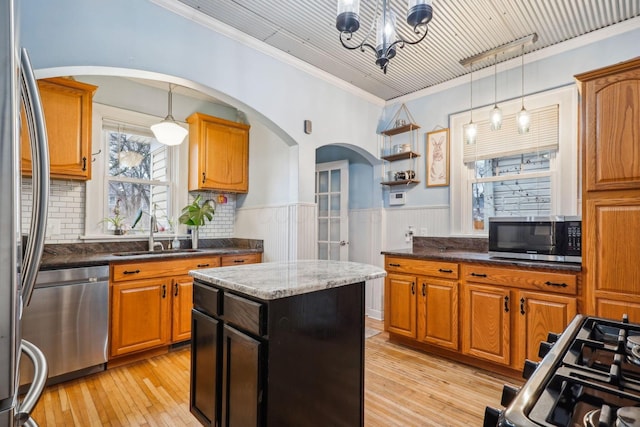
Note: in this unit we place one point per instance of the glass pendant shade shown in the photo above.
(496, 118)
(471, 131)
(348, 16)
(168, 131)
(385, 36)
(419, 12)
(524, 121)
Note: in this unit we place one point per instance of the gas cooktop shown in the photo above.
(589, 376)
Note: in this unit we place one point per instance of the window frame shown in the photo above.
(564, 165)
(97, 187)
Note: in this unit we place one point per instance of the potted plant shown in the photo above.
(116, 220)
(195, 215)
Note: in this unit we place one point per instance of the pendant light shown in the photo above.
(471, 129)
(168, 131)
(496, 113)
(523, 117)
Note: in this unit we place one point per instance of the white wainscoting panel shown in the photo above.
(288, 231)
(425, 220)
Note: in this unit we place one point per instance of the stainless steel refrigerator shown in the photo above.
(18, 268)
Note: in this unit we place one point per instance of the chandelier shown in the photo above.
(419, 13)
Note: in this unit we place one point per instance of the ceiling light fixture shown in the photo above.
(496, 113)
(523, 117)
(471, 129)
(168, 131)
(419, 13)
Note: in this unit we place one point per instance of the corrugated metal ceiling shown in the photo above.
(459, 29)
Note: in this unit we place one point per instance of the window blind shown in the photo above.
(542, 136)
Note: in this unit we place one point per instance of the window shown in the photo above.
(132, 171)
(137, 177)
(507, 174)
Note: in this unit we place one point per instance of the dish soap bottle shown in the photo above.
(176, 242)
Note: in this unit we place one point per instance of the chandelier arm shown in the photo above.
(416, 31)
(348, 38)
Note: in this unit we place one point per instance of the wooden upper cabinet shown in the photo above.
(67, 106)
(218, 154)
(610, 127)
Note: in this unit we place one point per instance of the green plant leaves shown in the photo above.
(196, 215)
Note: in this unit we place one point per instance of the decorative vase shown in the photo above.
(194, 238)
(118, 231)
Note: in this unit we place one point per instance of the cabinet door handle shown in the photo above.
(164, 291)
(413, 288)
(84, 163)
(522, 306)
(175, 292)
(203, 177)
(478, 275)
(394, 265)
(424, 289)
(506, 304)
(202, 265)
(131, 272)
(238, 260)
(446, 270)
(558, 285)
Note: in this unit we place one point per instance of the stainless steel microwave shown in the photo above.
(552, 238)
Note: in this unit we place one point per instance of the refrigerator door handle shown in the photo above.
(40, 373)
(40, 173)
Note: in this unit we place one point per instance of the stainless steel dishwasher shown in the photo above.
(68, 319)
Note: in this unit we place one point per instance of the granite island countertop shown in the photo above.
(274, 280)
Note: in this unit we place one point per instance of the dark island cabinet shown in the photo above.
(292, 361)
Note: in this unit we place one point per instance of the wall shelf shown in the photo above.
(401, 182)
(400, 156)
(400, 129)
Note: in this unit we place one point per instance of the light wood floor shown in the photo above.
(403, 387)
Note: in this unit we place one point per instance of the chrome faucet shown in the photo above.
(153, 228)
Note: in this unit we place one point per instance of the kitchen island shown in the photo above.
(279, 344)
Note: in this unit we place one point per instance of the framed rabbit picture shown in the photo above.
(438, 158)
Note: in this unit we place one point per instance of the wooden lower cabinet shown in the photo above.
(489, 313)
(151, 301)
(400, 304)
(139, 315)
(423, 307)
(438, 312)
(505, 324)
(182, 296)
(486, 323)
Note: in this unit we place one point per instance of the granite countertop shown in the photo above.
(91, 254)
(469, 250)
(273, 280)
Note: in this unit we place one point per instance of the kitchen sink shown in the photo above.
(157, 252)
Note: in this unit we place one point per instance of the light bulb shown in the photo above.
(524, 121)
(496, 118)
(471, 131)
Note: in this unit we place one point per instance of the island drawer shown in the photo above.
(206, 299)
(243, 313)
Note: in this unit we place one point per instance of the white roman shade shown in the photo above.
(543, 136)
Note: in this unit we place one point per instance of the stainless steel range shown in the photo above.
(589, 376)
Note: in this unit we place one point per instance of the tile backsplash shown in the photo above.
(66, 219)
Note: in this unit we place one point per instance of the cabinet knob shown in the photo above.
(203, 177)
(424, 289)
(413, 288)
(478, 275)
(175, 292)
(445, 270)
(84, 163)
(522, 306)
(202, 265)
(164, 291)
(506, 304)
(557, 285)
(393, 265)
(131, 272)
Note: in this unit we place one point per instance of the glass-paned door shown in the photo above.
(332, 199)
